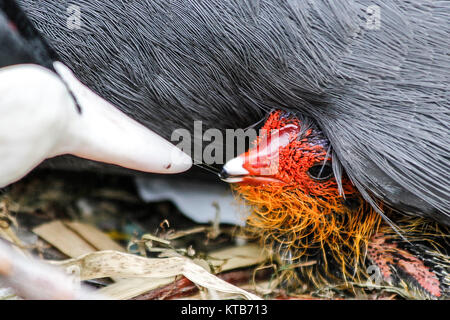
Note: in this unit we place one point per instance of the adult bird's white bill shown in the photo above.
(39, 120)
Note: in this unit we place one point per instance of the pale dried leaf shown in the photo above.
(122, 265)
(237, 257)
(64, 239)
(93, 236)
(130, 288)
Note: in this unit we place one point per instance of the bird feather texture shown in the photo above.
(380, 95)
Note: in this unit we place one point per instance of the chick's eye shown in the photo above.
(321, 171)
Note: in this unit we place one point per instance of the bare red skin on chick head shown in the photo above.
(285, 152)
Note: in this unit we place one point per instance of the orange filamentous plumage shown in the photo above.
(303, 224)
(305, 216)
(308, 217)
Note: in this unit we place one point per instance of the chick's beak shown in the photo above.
(259, 165)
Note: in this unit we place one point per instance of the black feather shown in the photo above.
(20, 42)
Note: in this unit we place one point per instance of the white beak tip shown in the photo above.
(235, 167)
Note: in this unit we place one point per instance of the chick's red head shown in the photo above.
(290, 151)
(287, 180)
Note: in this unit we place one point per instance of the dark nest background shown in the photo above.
(38, 213)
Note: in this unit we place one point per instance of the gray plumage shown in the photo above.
(381, 96)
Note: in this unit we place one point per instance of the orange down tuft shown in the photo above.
(305, 215)
(304, 224)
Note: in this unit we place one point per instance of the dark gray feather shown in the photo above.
(381, 96)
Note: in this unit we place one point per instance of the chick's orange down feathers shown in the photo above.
(304, 213)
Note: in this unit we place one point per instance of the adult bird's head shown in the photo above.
(297, 201)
